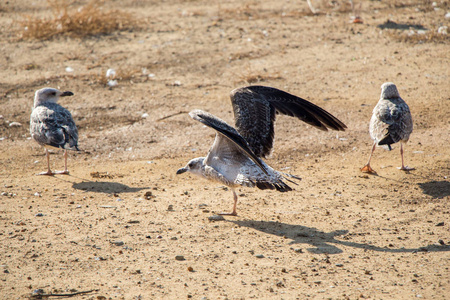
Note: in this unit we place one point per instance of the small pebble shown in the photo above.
(216, 218)
(39, 215)
(112, 83)
(259, 256)
(110, 73)
(298, 250)
(118, 243)
(190, 269)
(15, 124)
(180, 257)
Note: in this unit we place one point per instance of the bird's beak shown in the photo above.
(66, 93)
(181, 171)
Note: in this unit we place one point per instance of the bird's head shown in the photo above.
(194, 166)
(49, 95)
(389, 91)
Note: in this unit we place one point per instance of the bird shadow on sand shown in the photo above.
(436, 189)
(326, 242)
(402, 26)
(106, 187)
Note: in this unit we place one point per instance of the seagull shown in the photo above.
(235, 158)
(52, 126)
(391, 122)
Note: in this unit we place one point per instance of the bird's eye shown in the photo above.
(53, 93)
(190, 165)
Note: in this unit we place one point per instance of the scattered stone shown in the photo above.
(339, 265)
(99, 258)
(39, 215)
(441, 30)
(180, 257)
(440, 224)
(148, 195)
(190, 269)
(38, 292)
(112, 83)
(298, 250)
(441, 242)
(216, 218)
(15, 124)
(170, 207)
(117, 243)
(110, 73)
(259, 256)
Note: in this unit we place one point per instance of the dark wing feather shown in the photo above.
(255, 108)
(227, 131)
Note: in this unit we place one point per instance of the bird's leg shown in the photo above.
(367, 168)
(404, 168)
(49, 172)
(233, 213)
(65, 165)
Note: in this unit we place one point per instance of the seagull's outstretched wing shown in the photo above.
(255, 108)
(234, 145)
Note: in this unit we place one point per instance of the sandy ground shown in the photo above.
(116, 224)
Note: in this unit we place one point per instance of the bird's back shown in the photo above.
(53, 125)
(391, 122)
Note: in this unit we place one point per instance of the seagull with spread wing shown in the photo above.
(52, 126)
(391, 122)
(235, 156)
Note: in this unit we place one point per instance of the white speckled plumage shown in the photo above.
(391, 122)
(51, 125)
(235, 156)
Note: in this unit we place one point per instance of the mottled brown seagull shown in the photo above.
(52, 126)
(391, 122)
(235, 156)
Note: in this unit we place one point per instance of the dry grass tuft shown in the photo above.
(416, 38)
(250, 77)
(88, 20)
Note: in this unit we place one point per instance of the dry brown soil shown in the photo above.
(108, 227)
